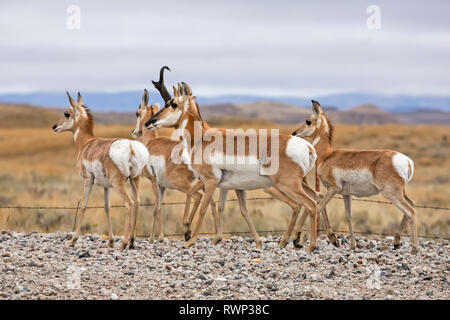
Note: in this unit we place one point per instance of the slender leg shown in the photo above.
(298, 230)
(155, 189)
(129, 204)
(313, 194)
(401, 203)
(297, 194)
(402, 226)
(348, 215)
(162, 190)
(187, 224)
(399, 231)
(110, 234)
(410, 201)
(215, 215)
(210, 187)
(187, 218)
(222, 201)
(274, 192)
(330, 234)
(87, 192)
(137, 201)
(331, 192)
(241, 194)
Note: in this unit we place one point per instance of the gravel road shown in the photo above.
(43, 266)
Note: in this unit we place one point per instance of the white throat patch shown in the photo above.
(316, 141)
(75, 135)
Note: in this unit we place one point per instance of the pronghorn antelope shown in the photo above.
(241, 195)
(359, 173)
(106, 162)
(163, 172)
(296, 158)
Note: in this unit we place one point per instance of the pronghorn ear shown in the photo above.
(180, 89)
(145, 98)
(72, 102)
(187, 89)
(155, 108)
(317, 109)
(175, 92)
(80, 100)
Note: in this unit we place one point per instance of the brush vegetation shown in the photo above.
(37, 168)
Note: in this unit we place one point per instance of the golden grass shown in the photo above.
(37, 167)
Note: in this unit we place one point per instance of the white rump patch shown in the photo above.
(402, 164)
(297, 149)
(130, 165)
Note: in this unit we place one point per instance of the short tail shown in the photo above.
(312, 158)
(138, 158)
(410, 169)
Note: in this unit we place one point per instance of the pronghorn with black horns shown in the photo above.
(359, 173)
(106, 162)
(163, 172)
(291, 157)
(187, 219)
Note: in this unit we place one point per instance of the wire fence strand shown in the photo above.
(234, 200)
(182, 202)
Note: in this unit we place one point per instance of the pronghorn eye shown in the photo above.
(66, 114)
(174, 105)
(308, 122)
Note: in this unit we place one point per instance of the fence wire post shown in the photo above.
(76, 215)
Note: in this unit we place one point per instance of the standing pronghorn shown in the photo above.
(163, 172)
(106, 162)
(360, 173)
(296, 158)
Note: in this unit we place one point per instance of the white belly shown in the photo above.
(355, 182)
(239, 172)
(95, 168)
(244, 180)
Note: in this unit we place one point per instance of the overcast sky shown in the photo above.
(268, 48)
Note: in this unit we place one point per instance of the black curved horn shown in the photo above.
(160, 85)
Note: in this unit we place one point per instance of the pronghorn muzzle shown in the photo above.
(151, 122)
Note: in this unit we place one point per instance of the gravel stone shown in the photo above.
(44, 266)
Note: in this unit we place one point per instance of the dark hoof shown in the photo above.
(396, 246)
(187, 235)
(296, 243)
(336, 243)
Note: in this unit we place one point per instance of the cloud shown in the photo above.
(252, 47)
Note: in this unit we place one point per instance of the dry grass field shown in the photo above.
(37, 168)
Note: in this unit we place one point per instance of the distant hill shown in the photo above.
(265, 110)
(16, 115)
(128, 101)
(424, 117)
(287, 114)
(363, 114)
